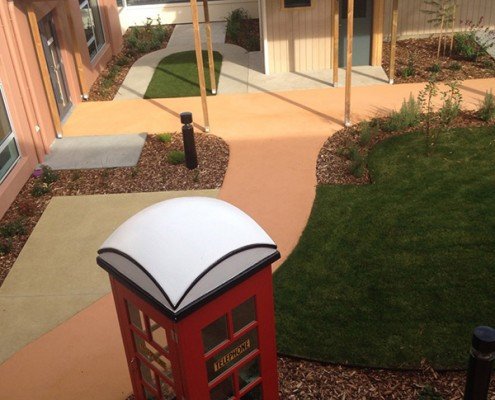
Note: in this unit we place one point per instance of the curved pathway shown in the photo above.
(274, 141)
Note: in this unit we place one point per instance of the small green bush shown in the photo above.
(486, 111)
(48, 175)
(176, 157)
(488, 64)
(5, 246)
(366, 133)
(435, 68)
(39, 189)
(409, 115)
(451, 104)
(455, 66)
(165, 137)
(410, 69)
(13, 228)
(26, 208)
(465, 45)
(234, 20)
(429, 393)
(146, 38)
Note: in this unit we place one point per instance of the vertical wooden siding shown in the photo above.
(413, 22)
(299, 39)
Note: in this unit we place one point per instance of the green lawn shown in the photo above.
(177, 76)
(400, 270)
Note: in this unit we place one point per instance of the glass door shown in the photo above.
(53, 58)
(232, 356)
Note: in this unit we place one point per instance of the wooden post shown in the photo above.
(348, 73)
(335, 33)
(211, 60)
(393, 41)
(45, 74)
(199, 62)
(76, 53)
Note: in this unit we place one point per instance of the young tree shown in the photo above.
(442, 14)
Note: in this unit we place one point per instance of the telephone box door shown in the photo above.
(150, 343)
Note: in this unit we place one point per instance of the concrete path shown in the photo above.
(274, 140)
(96, 151)
(241, 72)
(56, 275)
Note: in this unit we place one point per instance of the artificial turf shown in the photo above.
(177, 75)
(401, 270)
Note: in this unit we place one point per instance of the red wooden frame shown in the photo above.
(185, 344)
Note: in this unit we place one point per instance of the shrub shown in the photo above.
(365, 134)
(146, 38)
(12, 228)
(5, 246)
(176, 157)
(409, 115)
(357, 165)
(429, 393)
(48, 175)
(451, 104)
(39, 189)
(465, 45)
(435, 68)
(234, 20)
(410, 69)
(165, 137)
(425, 100)
(486, 111)
(455, 66)
(26, 208)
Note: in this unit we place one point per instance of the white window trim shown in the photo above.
(85, 4)
(10, 137)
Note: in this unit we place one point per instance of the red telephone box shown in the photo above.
(192, 283)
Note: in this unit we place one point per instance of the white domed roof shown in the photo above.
(179, 250)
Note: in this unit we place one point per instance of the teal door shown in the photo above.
(363, 24)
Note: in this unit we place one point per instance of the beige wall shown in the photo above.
(413, 22)
(21, 78)
(180, 13)
(299, 39)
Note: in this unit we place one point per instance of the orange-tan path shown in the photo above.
(274, 141)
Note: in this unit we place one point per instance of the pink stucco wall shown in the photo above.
(22, 81)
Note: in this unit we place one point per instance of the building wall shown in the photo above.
(412, 22)
(180, 13)
(299, 39)
(22, 82)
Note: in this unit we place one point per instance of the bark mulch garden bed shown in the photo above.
(138, 41)
(154, 172)
(416, 59)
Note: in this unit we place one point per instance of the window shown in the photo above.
(9, 153)
(93, 28)
(359, 8)
(297, 3)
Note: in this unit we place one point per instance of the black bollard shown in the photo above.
(188, 139)
(480, 363)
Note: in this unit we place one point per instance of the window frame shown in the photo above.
(10, 137)
(85, 4)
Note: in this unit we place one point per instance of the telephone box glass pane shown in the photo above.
(153, 356)
(159, 335)
(254, 394)
(232, 354)
(244, 314)
(215, 333)
(147, 374)
(223, 391)
(249, 373)
(136, 316)
(168, 393)
(148, 395)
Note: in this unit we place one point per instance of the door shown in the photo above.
(363, 25)
(53, 58)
